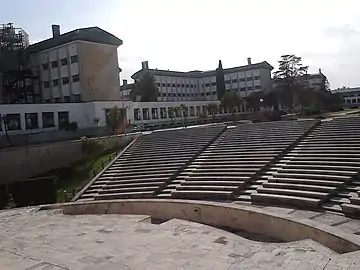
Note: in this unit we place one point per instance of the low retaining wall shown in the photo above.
(20, 163)
(238, 217)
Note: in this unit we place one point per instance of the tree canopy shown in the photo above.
(231, 101)
(145, 89)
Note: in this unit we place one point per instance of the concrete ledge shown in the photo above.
(251, 219)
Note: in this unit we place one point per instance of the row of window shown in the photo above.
(13, 121)
(186, 94)
(206, 84)
(63, 62)
(66, 99)
(64, 80)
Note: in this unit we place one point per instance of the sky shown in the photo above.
(195, 34)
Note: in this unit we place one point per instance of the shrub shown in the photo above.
(92, 147)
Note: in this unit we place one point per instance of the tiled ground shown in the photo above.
(39, 240)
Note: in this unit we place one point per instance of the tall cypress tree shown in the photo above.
(220, 82)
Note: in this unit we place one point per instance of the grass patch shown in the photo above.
(73, 178)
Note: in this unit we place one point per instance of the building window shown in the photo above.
(74, 59)
(257, 86)
(45, 66)
(75, 78)
(31, 120)
(13, 121)
(67, 99)
(46, 84)
(173, 85)
(77, 98)
(162, 113)
(242, 79)
(57, 100)
(54, 64)
(65, 80)
(214, 93)
(192, 111)
(146, 114)
(178, 85)
(168, 84)
(256, 77)
(207, 84)
(183, 85)
(249, 78)
(213, 84)
(250, 88)
(208, 93)
(137, 114)
(242, 89)
(56, 82)
(64, 61)
(48, 119)
(204, 110)
(47, 101)
(234, 81)
(163, 84)
(187, 86)
(157, 84)
(198, 110)
(154, 113)
(63, 119)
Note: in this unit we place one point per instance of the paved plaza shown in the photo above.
(38, 240)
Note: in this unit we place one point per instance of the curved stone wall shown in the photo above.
(237, 217)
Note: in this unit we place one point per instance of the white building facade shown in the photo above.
(351, 96)
(202, 85)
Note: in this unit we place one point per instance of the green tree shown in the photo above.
(171, 113)
(231, 101)
(289, 79)
(183, 113)
(145, 89)
(212, 109)
(114, 117)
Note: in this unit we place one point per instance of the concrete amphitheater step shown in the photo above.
(110, 176)
(310, 176)
(128, 173)
(220, 174)
(293, 192)
(129, 195)
(305, 181)
(351, 210)
(150, 188)
(207, 187)
(130, 185)
(333, 207)
(276, 199)
(316, 188)
(355, 200)
(190, 182)
(325, 172)
(322, 162)
(202, 194)
(117, 181)
(320, 166)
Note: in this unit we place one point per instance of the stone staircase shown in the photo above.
(228, 169)
(319, 172)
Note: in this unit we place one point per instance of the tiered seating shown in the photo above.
(147, 167)
(235, 158)
(315, 169)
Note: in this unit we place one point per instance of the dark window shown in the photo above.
(228, 81)
(213, 84)
(234, 81)
(242, 89)
(54, 64)
(173, 85)
(45, 66)
(256, 77)
(56, 82)
(31, 120)
(75, 78)
(250, 88)
(65, 80)
(249, 78)
(242, 79)
(13, 121)
(66, 99)
(208, 93)
(164, 94)
(178, 85)
(179, 94)
(137, 114)
(214, 93)
(46, 84)
(77, 98)
(163, 84)
(154, 113)
(63, 119)
(64, 61)
(207, 84)
(202, 94)
(187, 85)
(57, 100)
(47, 101)
(182, 85)
(74, 59)
(157, 84)
(48, 119)
(168, 84)
(146, 115)
(257, 86)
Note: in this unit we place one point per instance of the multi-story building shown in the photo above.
(351, 96)
(81, 65)
(202, 85)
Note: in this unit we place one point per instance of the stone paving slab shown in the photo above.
(37, 240)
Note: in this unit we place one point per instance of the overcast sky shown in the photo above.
(194, 34)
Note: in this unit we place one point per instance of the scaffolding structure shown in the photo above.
(16, 78)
